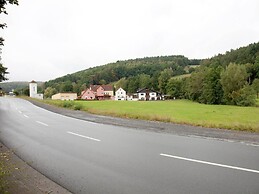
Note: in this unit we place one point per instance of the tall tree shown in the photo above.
(195, 83)
(144, 81)
(256, 87)
(175, 88)
(3, 4)
(3, 72)
(163, 79)
(49, 91)
(233, 79)
(212, 92)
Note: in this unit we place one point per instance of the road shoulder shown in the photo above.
(23, 179)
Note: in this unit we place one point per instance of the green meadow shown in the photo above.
(177, 111)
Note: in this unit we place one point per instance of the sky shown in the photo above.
(46, 39)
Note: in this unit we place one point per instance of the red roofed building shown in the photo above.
(87, 95)
(99, 92)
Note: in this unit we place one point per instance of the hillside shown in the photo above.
(242, 55)
(9, 86)
(17, 86)
(148, 68)
(156, 73)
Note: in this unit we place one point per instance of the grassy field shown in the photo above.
(178, 111)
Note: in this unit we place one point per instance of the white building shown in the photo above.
(147, 94)
(33, 90)
(64, 96)
(120, 94)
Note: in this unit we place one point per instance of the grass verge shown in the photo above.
(177, 111)
(4, 172)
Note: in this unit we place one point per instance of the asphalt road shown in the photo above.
(87, 157)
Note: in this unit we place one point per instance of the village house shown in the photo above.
(98, 92)
(120, 94)
(87, 95)
(148, 94)
(64, 96)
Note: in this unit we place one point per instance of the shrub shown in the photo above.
(68, 104)
(245, 96)
(78, 107)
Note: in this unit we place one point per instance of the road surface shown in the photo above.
(86, 157)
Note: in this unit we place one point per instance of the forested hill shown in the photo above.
(242, 55)
(9, 86)
(148, 68)
(22, 87)
(159, 73)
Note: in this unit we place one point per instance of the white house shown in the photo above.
(33, 90)
(147, 94)
(120, 94)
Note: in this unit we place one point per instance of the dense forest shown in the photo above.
(230, 78)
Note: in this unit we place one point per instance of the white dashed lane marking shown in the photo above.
(210, 163)
(91, 138)
(26, 116)
(42, 123)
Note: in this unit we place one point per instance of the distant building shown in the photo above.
(87, 95)
(64, 96)
(33, 90)
(120, 94)
(98, 92)
(148, 94)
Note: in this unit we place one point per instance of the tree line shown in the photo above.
(217, 85)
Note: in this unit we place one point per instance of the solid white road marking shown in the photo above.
(20, 111)
(42, 123)
(210, 163)
(25, 116)
(83, 136)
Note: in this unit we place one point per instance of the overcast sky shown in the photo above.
(46, 39)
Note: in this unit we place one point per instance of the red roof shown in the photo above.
(94, 87)
(105, 87)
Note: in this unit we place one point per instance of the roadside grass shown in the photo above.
(177, 111)
(4, 172)
(257, 102)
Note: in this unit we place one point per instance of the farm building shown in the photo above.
(64, 96)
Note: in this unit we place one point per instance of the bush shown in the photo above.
(245, 96)
(78, 107)
(68, 104)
